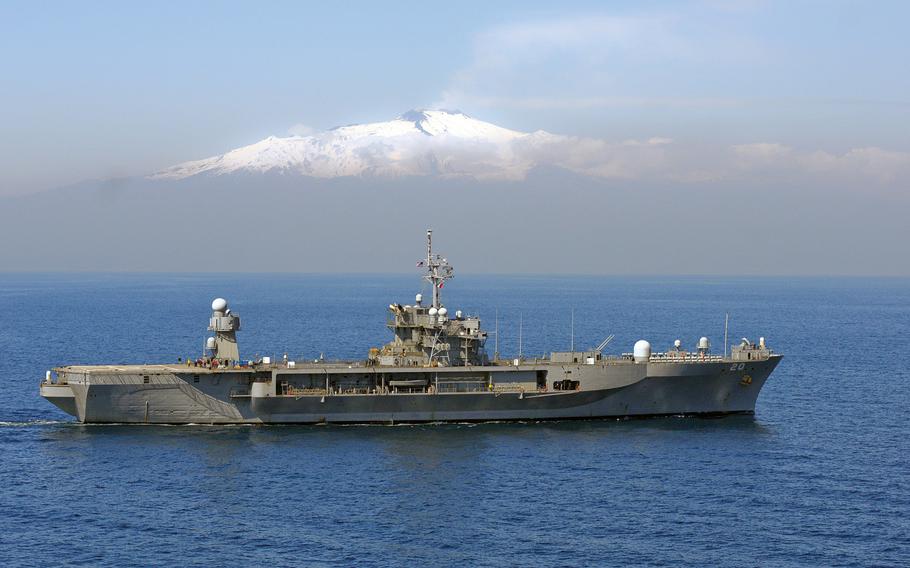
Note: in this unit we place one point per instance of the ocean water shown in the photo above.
(818, 477)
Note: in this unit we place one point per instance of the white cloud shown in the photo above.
(594, 61)
(884, 166)
(631, 159)
(870, 164)
(459, 98)
(538, 64)
(301, 130)
(761, 151)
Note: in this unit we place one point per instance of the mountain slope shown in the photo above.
(419, 142)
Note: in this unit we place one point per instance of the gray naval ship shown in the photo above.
(435, 369)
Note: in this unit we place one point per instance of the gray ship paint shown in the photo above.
(435, 369)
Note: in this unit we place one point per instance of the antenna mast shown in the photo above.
(520, 320)
(438, 270)
(573, 331)
(726, 326)
(496, 343)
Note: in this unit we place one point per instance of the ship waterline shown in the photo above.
(434, 370)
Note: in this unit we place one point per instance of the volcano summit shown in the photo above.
(417, 143)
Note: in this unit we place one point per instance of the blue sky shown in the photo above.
(101, 89)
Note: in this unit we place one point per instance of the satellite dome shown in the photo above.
(219, 305)
(703, 343)
(433, 311)
(443, 311)
(677, 344)
(210, 343)
(641, 352)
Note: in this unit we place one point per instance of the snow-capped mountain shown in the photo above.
(419, 142)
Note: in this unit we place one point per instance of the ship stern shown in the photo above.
(61, 396)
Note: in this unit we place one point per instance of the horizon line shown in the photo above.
(464, 273)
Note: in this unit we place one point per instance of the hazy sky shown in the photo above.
(102, 89)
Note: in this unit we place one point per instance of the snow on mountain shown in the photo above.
(419, 142)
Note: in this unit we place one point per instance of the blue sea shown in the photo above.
(819, 476)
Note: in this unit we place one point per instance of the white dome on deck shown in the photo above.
(641, 352)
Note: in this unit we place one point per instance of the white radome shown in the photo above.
(433, 311)
(443, 311)
(219, 305)
(703, 343)
(641, 352)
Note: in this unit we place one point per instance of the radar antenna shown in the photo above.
(438, 270)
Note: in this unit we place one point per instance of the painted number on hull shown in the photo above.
(735, 367)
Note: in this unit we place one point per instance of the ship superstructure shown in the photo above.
(429, 335)
(434, 369)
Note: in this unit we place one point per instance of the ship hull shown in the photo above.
(177, 396)
(650, 397)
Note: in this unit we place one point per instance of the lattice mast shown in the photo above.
(438, 271)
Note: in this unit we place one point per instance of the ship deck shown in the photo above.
(150, 368)
(360, 366)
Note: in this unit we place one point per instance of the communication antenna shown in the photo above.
(519, 334)
(573, 331)
(496, 337)
(438, 270)
(726, 327)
